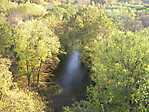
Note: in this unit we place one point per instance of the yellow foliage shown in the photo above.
(12, 99)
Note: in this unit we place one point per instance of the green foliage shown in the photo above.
(63, 12)
(58, 15)
(6, 5)
(86, 24)
(123, 62)
(120, 11)
(141, 97)
(29, 9)
(6, 34)
(120, 71)
(13, 99)
(6, 80)
(118, 61)
(34, 44)
(3, 5)
(125, 17)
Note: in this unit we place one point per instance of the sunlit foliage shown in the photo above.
(89, 23)
(13, 99)
(29, 9)
(34, 44)
(6, 34)
(120, 71)
(109, 37)
(5, 5)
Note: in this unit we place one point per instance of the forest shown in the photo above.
(74, 55)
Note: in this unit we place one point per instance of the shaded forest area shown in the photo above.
(100, 47)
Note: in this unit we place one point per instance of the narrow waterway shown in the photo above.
(73, 78)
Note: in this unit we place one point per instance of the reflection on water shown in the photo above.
(71, 71)
(73, 80)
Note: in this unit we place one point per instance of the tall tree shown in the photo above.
(35, 42)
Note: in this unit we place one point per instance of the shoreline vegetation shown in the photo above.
(112, 40)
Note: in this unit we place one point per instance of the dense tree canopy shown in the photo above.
(6, 35)
(89, 23)
(34, 44)
(111, 40)
(119, 69)
(12, 99)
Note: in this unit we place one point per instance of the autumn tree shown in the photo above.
(6, 35)
(13, 99)
(35, 42)
(120, 71)
(84, 26)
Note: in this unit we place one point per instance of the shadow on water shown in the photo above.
(73, 78)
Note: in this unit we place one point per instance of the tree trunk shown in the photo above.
(28, 79)
(28, 74)
(38, 74)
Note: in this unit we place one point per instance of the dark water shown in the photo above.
(73, 78)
